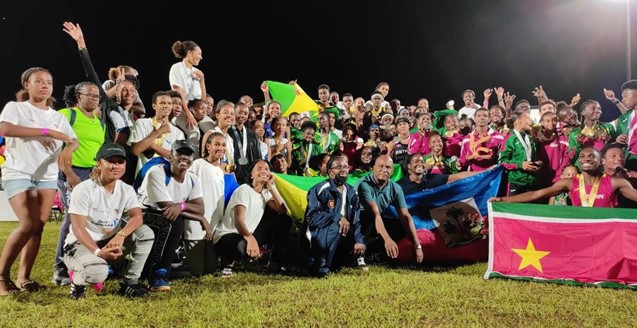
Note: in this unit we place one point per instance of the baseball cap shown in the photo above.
(109, 150)
(183, 144)
(402, 120)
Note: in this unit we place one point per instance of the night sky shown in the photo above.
(432, 49)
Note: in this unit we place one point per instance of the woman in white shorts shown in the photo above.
(36, 134)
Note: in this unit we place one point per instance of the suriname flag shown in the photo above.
(563, 244)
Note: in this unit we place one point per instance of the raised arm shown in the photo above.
(529, 196)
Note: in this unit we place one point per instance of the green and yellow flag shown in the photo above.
(293, 189)
(292, 98)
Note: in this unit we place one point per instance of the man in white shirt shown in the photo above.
(154, 137)
(169, 194)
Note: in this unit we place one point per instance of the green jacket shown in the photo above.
(512, 156)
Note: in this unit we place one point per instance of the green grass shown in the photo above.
(382, 297)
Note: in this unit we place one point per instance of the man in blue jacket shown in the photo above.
(332, 218)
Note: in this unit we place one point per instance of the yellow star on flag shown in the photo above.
(530, 256)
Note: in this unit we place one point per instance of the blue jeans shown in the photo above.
(65, 194)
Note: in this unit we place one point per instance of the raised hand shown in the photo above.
(487, 93)
(609, 94)
(499, 91)
(538, 92)
(508, 100)
(575, 100)
(74, 30)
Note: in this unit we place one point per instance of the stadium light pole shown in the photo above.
(628, 50)
(628, 46)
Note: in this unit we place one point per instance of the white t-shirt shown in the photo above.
(144, 127)
(213, 191)
(102, 209)
(254, 204)
(183, 77)
(469, 111)
(264, 150)
(154, 189)
(30, 158)
(229, 156)
(121, 119)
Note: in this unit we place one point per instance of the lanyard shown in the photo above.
(526, 143)
(307, 156)
(325, 142)
(588, 200)
(243, 147)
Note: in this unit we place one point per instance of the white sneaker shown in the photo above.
(360, 263)
(226, 272)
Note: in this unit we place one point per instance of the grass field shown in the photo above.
(382, 297)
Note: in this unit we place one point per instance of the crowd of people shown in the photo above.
(136, 188)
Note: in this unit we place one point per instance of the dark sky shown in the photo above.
(425, 48)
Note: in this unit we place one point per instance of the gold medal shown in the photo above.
(230, 168)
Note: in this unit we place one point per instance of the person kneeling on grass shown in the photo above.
(170, 193)
(246, 225)
(98, 233)
(334, 230)
(377, 192)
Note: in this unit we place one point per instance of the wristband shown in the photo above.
(615, 101)
(418, 246)
(44, 131)
(97, 251)
(183, 206)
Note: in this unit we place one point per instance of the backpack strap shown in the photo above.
(73, 116)
(73, 113)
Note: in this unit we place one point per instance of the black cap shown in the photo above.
(183, 144)
(402, 120)
(632, 84)
(109, 150)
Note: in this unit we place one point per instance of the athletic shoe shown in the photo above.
(133, 291)
(98, 287)
(77, 291)
(226, 272)
(360, 264)
(160, 283)
(61, 278)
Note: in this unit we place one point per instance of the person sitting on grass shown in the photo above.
(97, 237)
(170, 193)
(246, 225)
(377, 192)
(600, 190)
(334, 230)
